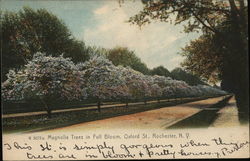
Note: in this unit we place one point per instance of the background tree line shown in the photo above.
(29, 31)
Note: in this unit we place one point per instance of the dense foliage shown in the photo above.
(180, 74)
(51, 78)
(29, 31)
(58, 78)
(124, 57)
(160, 70)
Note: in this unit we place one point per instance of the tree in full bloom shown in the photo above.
(53, 79)
(48, 78)
(104, 82)
(137, 84)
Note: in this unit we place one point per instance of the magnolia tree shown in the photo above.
(155, 89)
(46, 78)
(168, 92)
(138, 85)
(162, 81)
(56, 78)
(103, 80)
(181, 89)
(208, 90)
(171, 88)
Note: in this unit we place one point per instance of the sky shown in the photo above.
(102, 23)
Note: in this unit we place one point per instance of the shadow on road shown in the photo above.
(203, 118)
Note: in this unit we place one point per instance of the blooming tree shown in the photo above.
(104, 82)
(137, 83)
(53, 79)
(47, 78)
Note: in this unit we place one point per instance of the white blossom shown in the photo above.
(97, 78)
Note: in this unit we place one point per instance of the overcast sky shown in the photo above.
(103, 23)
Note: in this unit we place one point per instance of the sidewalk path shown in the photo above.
(227, 116)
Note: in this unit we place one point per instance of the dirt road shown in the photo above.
(153, 119)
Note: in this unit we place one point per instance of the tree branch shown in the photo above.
(242, 4)
(234, 9)
(202, 22)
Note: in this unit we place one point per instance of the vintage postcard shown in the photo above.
(124, 79)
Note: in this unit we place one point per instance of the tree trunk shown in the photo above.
(99, 106)
(158, 100)
(243, 108)
(47, 108)
(49, 112)
(126, 104)
(236, 78)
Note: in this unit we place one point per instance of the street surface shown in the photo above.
(161, 118)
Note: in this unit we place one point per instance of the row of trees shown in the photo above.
(29, 31)
(53, 79)
(127, 58)
(221, 52)
(178, 74)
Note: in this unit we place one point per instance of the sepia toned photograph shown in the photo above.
(124, 79)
